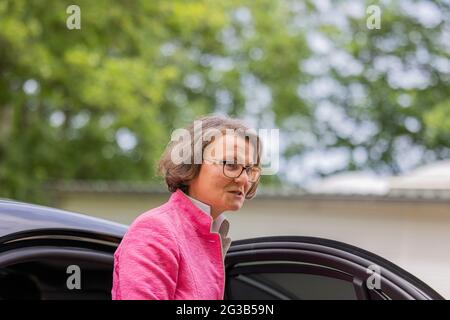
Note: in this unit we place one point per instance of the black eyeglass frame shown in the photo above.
(246, 168)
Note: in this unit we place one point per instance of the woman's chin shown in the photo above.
(235, 206)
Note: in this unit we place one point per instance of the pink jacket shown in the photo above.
(170, 253)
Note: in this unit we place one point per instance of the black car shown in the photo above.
(41, 248)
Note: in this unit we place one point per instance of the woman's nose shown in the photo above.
(243, 179)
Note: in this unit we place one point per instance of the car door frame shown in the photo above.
(396, 282)
(62, 244)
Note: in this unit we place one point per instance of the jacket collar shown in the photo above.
(202, 206)
(199, 214)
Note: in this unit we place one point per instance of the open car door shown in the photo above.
(304, 268)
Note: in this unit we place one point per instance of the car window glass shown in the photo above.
(290, 286)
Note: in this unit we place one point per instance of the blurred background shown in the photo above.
(363, 112)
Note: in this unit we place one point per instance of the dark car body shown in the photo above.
(39, 247)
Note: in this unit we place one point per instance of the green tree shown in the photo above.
(101, 102)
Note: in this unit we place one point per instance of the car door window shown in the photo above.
(293, 267)
(298, 282)
(298, 286)
(45, 273)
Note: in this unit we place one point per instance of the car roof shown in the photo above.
(18, 217)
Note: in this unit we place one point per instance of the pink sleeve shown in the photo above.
(146, 265)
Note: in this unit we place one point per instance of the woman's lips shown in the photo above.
(237, 194)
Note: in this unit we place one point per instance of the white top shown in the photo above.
(220, 225)
(215, 226)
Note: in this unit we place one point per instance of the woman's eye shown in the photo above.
(231, 166)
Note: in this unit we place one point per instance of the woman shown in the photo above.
(176, 251)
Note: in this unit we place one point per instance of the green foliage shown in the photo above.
(143, 68)
(438, 123)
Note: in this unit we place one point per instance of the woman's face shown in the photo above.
(211, 186)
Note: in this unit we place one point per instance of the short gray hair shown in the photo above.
(177, 176)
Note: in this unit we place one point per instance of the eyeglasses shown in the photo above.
(234, 170)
